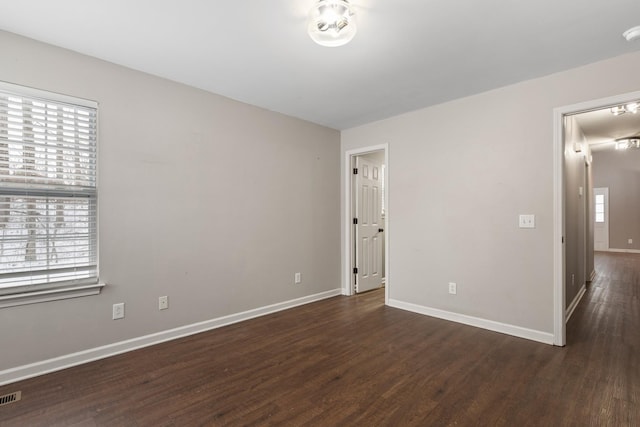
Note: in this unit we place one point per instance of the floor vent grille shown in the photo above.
(10, 398)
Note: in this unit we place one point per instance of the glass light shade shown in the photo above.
(622, 145)
(331, 23)
(631, 107)
(617, 110)
(632, 33)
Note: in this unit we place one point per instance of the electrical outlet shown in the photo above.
(453, 288)
(163, 303)
(118, 311)
(297, 278)
(630, 241)
(527, 221)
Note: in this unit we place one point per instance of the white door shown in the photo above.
(601, 219)
(368, 250)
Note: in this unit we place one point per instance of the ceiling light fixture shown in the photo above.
(632, 33)
(631, 107)
(617, 110)
(624, 143)
(332, 23)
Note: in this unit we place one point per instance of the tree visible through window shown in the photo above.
(48, 229)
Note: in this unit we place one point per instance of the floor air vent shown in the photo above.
(10, 398)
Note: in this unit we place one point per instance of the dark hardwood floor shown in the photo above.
(353, 361)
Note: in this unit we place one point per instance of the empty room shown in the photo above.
(319, 212)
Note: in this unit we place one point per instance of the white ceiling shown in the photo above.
(407, 54)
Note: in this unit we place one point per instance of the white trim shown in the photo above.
(20, 90)
(559, 324)
(575, 302)
(559, 321)
(58, 363)
(517, 331)
(12, 300)
(624, 251)
(347, 288)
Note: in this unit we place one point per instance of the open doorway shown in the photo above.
(366, 219)
(574, 200)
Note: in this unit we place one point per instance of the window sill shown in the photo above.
(50, 295)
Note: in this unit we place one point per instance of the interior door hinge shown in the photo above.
(355, 171)
(355, 221)
(355, 270)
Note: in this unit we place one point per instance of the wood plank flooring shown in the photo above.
(351, 361)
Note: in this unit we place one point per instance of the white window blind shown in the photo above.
(48, 226)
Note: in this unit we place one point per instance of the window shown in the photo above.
(48, 197)
(599, 207)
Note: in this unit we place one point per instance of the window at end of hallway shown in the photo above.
(599, 208)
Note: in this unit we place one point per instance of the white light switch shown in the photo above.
(527, 221)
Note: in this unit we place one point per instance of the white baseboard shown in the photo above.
(624, 251)
(517, 331)
(575, 302)
(58, 363)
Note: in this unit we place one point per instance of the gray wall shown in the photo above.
(212, 202)
(591, 269)
(460, 173)
(620, 171)
(576, 210)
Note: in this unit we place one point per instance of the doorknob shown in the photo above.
(380, 230)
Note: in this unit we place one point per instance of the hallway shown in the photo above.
(603, 346)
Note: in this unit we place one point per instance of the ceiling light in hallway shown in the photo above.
(631, 107)
(624, 143)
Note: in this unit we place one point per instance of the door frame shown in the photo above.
(347, 207)
(559, 265)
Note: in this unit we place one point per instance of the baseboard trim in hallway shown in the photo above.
(575, 302)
